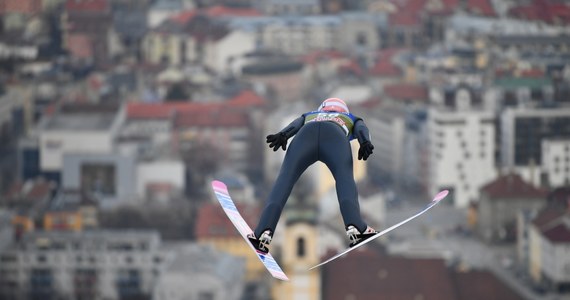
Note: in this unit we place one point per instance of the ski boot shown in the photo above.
(261, 243)
(356, 237)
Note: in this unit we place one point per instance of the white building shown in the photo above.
(549, 256)
(101, 264)
(164, 9)
(289, 7)
(462, 152)
(201, 272)
(220, 54)
(86, 131)
(523, 132)
(116, 265)
(298, 35)
(556, 161)
(169, 173)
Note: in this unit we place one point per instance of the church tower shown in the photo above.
(299, 250)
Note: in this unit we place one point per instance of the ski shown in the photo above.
(228, 205)
(433, 203)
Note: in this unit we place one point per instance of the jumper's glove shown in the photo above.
(365, 150)
(277, 140)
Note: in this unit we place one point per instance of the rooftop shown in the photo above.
(512, 186)
(87, 6)
(480, 284)
(213, 223)
(406, 91)
(80, 122)
(372, 274)
(559, 233)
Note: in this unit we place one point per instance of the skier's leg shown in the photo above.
(302, 153)
(335, 152)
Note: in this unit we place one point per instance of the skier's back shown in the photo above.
(322, 135)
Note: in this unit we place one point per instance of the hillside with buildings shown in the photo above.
(115, 115)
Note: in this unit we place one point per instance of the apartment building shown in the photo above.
(549, 249)
(462, 152)
(91, 264)
(556, 162)
(523, 133)
(116, 265)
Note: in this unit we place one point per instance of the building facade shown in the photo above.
(98, 264)
(522, 133)
(462, 152)
(556, 162)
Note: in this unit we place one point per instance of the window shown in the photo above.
(206, 296)
(98, 179)
(301, 247)
(42, 258)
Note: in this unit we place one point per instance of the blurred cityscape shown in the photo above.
(115, 115)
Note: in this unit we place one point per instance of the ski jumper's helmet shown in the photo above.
(334, 105)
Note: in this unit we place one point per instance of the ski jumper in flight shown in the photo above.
(322, 135)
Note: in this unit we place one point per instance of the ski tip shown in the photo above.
(218, 185)
(440, 195)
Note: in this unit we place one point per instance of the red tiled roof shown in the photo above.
(560, 197)
(32, 190)
(512, 186)
(213, 222)
(351, 67)
(534, 73)
(406, 91)
(140, 110)
(160, 186)
(447, 7)
(222, 11)
(404, 19)
(411, 6)
(371, 103)
(558, 234)
(316, 56)
(39, 190)
(478, 284)
(211, 118)
(87, 5)
(215, 11)
(543, 10)
(80, 45)
(247, 98)
(184, 16)
(482, 7)
(384, 65)
(385, 68)
(167, 110)
(547, 216)
(20, 6)
(375, 277)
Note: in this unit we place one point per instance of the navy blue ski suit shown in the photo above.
(320, 136)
